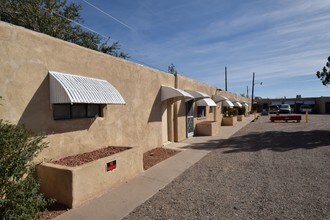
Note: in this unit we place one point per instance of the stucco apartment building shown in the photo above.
(83, 100)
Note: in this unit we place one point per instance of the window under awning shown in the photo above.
(168, 92)
(68, 88)
(206, 102)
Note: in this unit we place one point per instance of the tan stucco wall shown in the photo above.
(26, 58)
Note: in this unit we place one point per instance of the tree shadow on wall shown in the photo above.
(38, 115)
(277, 141)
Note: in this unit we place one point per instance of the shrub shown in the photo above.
(241, 110)
(232, 112)
(19, 190)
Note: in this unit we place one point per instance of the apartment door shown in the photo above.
(190, 118)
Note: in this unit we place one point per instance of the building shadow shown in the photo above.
(156, 109)
(278, 141)
(38, 115)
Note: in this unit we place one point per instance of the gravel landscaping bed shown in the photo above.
(80, 159)
(265, 171)
(150, 159)
(157, 155)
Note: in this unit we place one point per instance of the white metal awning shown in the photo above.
(68, 88)
(206, 102)
(245, 104)
(237, 104)
(168, 92)
(219, 98)
(227, 103)
(197, 94)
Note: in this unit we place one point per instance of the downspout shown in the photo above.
(175, 115)
(215, 108)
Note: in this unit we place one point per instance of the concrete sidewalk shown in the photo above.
(123, 199)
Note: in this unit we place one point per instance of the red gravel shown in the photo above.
(150, 159)
(77, 160)
(156, 155)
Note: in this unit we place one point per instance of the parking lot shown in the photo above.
(265, 171)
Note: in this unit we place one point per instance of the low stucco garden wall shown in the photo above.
(72, 186)
(208, 128)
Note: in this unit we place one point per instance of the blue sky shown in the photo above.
(284, 41)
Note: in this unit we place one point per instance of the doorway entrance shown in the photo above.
(189, 118)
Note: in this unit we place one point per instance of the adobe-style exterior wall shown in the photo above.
(26, 58)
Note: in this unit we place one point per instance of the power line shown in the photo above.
(106, 37)
(141, 62)
(77, 23)
(120, 22)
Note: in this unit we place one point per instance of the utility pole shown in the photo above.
(225, 78)
(247, 91)
(252, 92)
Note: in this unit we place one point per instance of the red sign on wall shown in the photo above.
(111, 166)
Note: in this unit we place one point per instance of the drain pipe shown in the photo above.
(175, 115)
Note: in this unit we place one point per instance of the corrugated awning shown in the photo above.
(206, 102)
(68, 88)
(168, 92)
(197, 94)
(245, 104)
(227, 103)
(219, 98)
(237, 104)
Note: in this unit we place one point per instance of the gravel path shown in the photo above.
(265, 171)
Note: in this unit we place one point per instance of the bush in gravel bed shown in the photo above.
(19, 190)
(232, 112)
(240, 110)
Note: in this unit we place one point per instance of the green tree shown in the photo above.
(324, 74)
(19, 190)
(49, 17)
(171, 69)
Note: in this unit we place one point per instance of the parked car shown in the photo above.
(285, 108)
(305, 108)
(273, 109)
